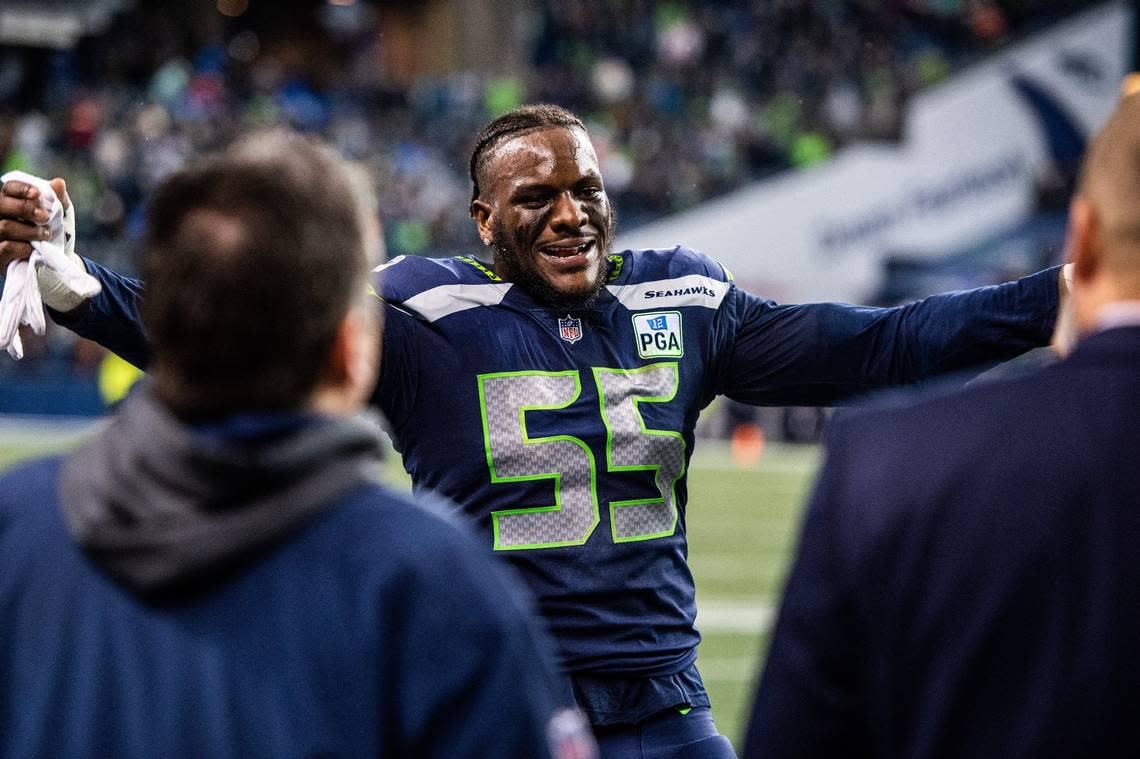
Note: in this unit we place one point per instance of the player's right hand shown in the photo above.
(20, 219)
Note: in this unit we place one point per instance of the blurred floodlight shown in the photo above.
(232, 8)
(342, 2)
(613, 79)
(244, 47)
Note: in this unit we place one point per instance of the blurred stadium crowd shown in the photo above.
(685, 99)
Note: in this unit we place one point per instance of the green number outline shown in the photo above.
(655, 468)
(527, 440)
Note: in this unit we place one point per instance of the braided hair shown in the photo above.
(527, 118)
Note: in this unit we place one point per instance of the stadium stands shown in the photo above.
(686, 100)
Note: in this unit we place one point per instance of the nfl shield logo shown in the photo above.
(570, 329)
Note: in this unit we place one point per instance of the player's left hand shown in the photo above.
(20, 217)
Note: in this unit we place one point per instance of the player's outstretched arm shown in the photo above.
(111, 318)
(822, 353)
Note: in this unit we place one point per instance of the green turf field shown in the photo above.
(742, 526)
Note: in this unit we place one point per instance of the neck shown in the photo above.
(1091, 295)
(333, 401)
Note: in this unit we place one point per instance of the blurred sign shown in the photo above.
(58, 24)
(968, 167)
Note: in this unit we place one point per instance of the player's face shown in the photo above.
(546, 214)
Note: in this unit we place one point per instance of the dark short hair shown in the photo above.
(527, 118)
(252, 257)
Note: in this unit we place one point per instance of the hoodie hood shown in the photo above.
(158, 504)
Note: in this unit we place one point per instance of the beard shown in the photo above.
(516, 267)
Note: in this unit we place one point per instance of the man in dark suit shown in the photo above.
(967, 582)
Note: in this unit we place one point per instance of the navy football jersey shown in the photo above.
(566, 435)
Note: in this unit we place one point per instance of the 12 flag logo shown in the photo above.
(659, 334)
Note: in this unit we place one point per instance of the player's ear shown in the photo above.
(1083, 239)
(481, 213)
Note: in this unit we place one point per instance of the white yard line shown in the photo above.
(45, 430)
(734, 618)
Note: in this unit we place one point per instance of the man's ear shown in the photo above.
(1083, 243)
(352, 358)
(481, 213)
(340, 355)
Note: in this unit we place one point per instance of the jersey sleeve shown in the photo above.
(112, 318)
(821, 353)
(396, 389)
(416, 358)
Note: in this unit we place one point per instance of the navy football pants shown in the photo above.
(668, 735)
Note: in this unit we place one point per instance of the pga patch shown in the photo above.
(658, 334)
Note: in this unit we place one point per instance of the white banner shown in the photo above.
(965, 171)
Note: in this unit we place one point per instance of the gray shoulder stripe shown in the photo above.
(444, 300)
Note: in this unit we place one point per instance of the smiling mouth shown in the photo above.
(567, 250)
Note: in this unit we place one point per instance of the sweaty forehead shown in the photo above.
(548, 154)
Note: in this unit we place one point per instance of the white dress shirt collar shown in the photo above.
(1122, 313)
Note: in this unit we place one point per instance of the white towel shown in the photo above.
(20, 302)
(13, 310)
